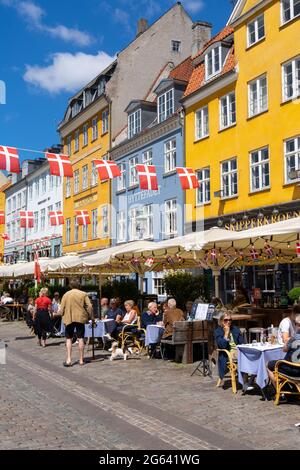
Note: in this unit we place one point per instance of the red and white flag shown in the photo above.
(26, 219)
(56, 218)
(149, 262)
(83, 218)
(254, 254)
(298, 249)
(188, 178)
(60, 165)
(135, 263)
(5, 236)
(37, 269)
(9, 159)
(269, 249)
(107, 169)
(147, 176)
(2, 217)
(213, 254)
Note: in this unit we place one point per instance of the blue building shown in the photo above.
(155, 136)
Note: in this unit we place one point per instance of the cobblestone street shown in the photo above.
(137, 404)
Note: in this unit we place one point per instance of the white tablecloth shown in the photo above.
(153, 334)
(253, 360)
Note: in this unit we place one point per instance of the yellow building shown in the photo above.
(85, 135)
(242, 110)
(4, 185)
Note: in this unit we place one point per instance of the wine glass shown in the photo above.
(254, 343)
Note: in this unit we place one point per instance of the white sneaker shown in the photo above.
(110, 350)
(108, 336)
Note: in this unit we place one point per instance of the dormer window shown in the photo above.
(213, 62)
(165, 105)
(134, 123)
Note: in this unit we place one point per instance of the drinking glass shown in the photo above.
(254, 343)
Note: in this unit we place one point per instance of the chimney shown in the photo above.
(142, 26)
(201, 35)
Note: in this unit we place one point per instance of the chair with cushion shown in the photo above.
(232, 367)
(283, 379)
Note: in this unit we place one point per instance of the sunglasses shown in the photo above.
(227, 320)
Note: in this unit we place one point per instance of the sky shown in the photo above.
(49, 49)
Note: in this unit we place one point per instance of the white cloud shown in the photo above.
(33, 15)
(122, 17)
(194, 6)
(67, 72)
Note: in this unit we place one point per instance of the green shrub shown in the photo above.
(294, 294)
(183, 286)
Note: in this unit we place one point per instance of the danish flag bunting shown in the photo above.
(298, 249)
(56, 218)
(2, 217)
(254, 254)
(269, 249)
(149, 262)
(188, 178)
(213, 254)
(83, 217)
(135, 263)
(9, 159)
(5, 236)
(107, 169)
(147, 176)
(60, 165)
(26, 219)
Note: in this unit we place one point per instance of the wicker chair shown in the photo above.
(232, 366)
(133, 335)
(282, 379)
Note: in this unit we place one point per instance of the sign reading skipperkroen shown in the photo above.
(255, 222)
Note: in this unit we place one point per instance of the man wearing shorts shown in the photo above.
(76, 309)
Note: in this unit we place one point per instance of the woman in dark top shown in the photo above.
(42, 318)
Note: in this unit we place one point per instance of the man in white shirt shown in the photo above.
(287, 327)
(6, 299)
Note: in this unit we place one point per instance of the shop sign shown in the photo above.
(255, 222)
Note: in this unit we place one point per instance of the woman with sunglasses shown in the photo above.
(227, 336)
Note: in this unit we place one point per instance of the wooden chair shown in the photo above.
(283, 379)
(232, 366)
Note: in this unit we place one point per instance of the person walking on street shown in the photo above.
(42, 318)
(76, 309)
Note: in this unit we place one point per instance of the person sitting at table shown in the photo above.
(42, 319)
(292, 349)
(172, 314)
(113, 313)
(227, 336)
(30, 315)
(152, 316)
(104, 307)
(188, 309)
(6, 299)
(56, 314)
(130, 317)
(287, 326)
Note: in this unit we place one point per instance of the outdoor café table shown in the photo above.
(16, 308)
(153, 334)
(253, 359)
(102, 328)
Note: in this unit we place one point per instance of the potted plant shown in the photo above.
(294, 294)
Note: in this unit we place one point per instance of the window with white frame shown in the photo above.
(105, 116)
(30, 192)
(213, 62)
(85, 232)
(43, 219)
(37, 187)
(95, 129)
(227, 111)
(69, 145)
(8, 205)
(121, 226)
(50, 209)
(133, 178)
(203, 192)
(121, 181)
(175, 46)
(171, 217)
(292, 159)
(44, 184)
(58, 206)
(51, 181)
(95, 224)
(85, 133)
(229, 178)
(170, 155)
(256, 30)
(260, 169)
(105, 221)
(14, 203)
(133, 224)
(68, 231)
(147, 226)
(147, 157)
(13, 231)
(289, 10)
(76, 230)
(68, 186)
(165, 105)
(134, 123)
(76, 141)
(258, 96)
(291, 79)
(201, 123)
(24, 198)
(76, 182)
(85, 177)
(19, 201)
(36, 221)
(158, 286)
(94, 175)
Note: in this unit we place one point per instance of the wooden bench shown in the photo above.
(185, 335)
